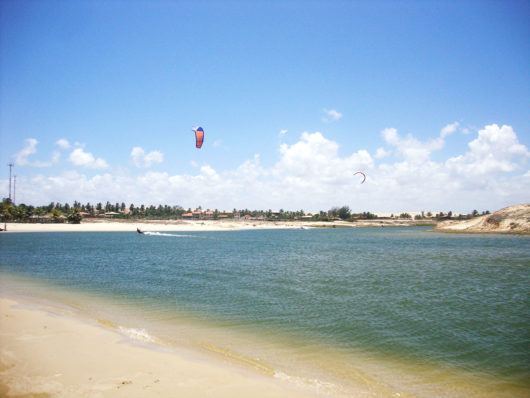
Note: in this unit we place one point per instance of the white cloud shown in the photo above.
(85, 159)
(143, 160)
(312, 170)
(495, 150)
(381, 153)
(332, 115)
(314, 160)
(460, 182)
(449, 129)
(313, 175)
(63, 143)
(282, 133)
(21, 158)
(411, 149)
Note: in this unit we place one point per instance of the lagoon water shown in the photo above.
(347, 312)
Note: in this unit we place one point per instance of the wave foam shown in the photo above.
(137, 334)
(319, 385)
(163, 234)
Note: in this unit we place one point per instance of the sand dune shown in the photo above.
(513, 219)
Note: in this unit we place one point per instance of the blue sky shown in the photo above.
(430, 99)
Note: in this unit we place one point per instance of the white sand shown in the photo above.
(46, 353)
(196, 225)
(146, 225)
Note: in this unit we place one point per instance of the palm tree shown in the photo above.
(56, 215)
(75, 217)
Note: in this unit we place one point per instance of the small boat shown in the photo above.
(138, 230)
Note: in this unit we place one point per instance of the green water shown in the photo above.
(375, 312)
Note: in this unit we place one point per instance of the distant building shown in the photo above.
(111, 214)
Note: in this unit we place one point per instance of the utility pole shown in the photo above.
(15, 190)
(10, 167)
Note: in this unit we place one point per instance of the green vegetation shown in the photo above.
(59, 213)
(450, 216)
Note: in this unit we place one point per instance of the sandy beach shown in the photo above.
(147, 226)
(198, 225)
(48, 352)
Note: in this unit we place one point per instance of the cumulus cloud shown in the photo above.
(381, 153)
(313, 174)
(63, 143)
(463, 180)
(411, 148)
(85, 159)
(315, 158)
(495, 150)
(331, 115)
(21, 158)
(145, 160)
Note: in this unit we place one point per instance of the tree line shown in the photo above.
(74, 213)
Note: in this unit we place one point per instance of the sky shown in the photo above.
(430, 99)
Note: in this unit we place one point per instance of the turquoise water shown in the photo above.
(379, 312)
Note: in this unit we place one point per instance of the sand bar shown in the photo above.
(149, 225)
(196, 225)
(47, 353)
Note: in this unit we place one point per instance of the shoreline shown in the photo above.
(514, 220)
(198, 346)
(200, 225)
(47, 350)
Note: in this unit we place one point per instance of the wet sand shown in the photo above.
(48, 352)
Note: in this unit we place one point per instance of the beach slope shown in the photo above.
(45, 353)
